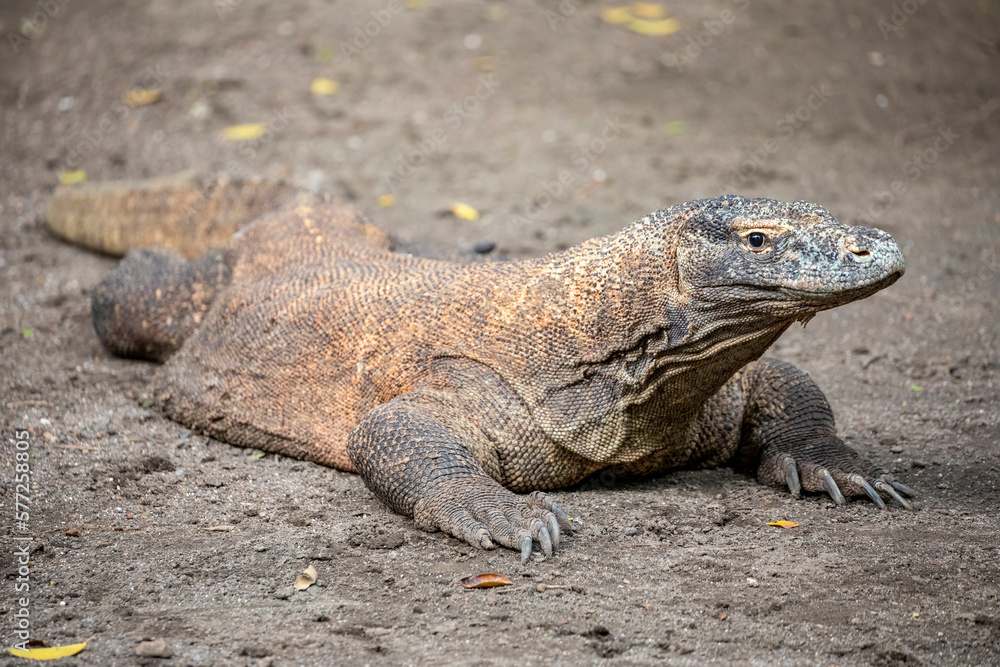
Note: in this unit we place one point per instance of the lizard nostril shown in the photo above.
(851, 245)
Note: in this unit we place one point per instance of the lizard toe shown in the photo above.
(826, 465)
(545, 501)
(455, 521)
(868, 489)
(888, 488)
(489, 515)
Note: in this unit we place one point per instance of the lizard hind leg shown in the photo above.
(153, 300)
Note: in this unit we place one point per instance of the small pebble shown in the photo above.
(896, 450)
(484, 247)
(156, 648)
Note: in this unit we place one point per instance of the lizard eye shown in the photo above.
(756, 239)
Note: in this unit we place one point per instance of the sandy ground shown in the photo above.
(886, 114)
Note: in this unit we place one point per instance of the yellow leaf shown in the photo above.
(783, 524)
(464, 211)
(137, 98)
(305, 579)
(674, 127)
(664, 27)
(243, 132)
(648, 10)
(323, 86)
(488, 580)
(386, 200)
(70, 177)
(616, 15)
(47, 653)
(413, 4)
(485, 63)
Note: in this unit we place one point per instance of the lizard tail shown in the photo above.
(181, 212)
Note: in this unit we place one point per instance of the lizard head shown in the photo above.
(783, 259)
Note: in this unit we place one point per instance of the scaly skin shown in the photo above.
(451, 388)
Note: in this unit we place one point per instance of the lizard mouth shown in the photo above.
(828, 298)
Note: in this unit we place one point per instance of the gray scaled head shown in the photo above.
(782, 259)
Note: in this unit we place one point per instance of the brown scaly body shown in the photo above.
(452, 387)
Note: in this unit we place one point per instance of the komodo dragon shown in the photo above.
(451, 387)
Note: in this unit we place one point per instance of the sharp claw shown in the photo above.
(545, 541)
(831, 487)
(872, 493)
(525, 550)
(553, 524)
(563, 520)
(882, 486)
(902, 488)
(792, 476)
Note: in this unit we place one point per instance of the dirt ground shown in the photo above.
(884, 113)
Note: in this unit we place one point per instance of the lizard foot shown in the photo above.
(482, 513)
(828, 465)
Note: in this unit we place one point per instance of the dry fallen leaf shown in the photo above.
(783, 524)
(244, 132)
(464, 211)
(616, 15)
(70, 177)
(321, 86)
(648, 10)
(487, 580)
(138, 98)
(386, 200)
(48, 653)
(664, 27)
(305, 579)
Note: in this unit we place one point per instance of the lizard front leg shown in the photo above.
(788, 430)
(426, 459)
